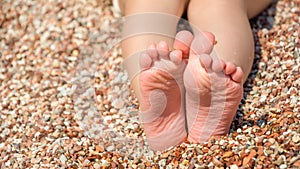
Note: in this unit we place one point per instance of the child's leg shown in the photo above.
(214, 87)
(254, 7)
(228, 21)
(138, 43)
(159, 82)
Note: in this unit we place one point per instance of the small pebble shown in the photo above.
(63, 158)
(283, 166)
(234, 166)
(296, 138)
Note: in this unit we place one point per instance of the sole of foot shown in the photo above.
(213, 91)
(162, 89)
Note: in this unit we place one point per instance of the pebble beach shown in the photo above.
(66, 101)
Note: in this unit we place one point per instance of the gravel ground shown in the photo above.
(57, 56)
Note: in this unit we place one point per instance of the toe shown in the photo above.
(183, 40)
(163, 49)
(202, 43)
(205, 61)
(176, 56)
(229, 68)
(152, 51)
(217, 64)
(145, 61)
(237, 76)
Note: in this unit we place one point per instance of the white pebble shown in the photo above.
(86, 162)
(2, 145)
(118, 103)
(282, 166)
(96, 166)
(63, 158)
(110, 148)
(296, 138)
(234, 166)
(263, 98)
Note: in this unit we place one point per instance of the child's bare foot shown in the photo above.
(162, 102)
(213, 91)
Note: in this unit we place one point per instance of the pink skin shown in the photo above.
(213, 91)
(210, 105)
(182, 42)
(161, 85)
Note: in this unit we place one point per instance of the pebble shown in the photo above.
(227, 154)
(217, 162)
(297, 163)
(97, 166)
(2, 145)
(110, 148)
(99, 148)
(86, 162)
(234, 166)
(272, 140)
(35, 160)
(283, 166)
(118, 103)
(294, 159)
(63, 158)
(279, 161)
(296, 138)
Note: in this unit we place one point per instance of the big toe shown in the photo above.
(203, 43)
(183, 40)
(210, 37)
